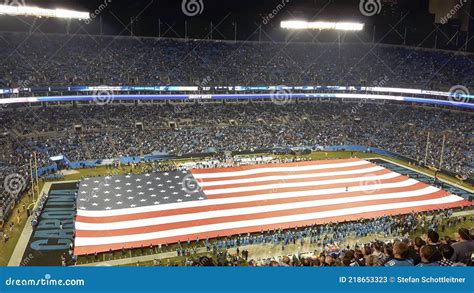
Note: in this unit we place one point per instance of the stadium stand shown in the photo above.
(110, 131)
(95, 60)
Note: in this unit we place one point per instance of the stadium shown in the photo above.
(251, 138)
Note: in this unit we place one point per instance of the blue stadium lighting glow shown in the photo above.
(236, 96)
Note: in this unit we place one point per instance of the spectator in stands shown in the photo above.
(427, 253)
(400, 254)
(464, 247)
(433, 240)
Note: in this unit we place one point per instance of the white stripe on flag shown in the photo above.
(290, 176)
(86, 241)
(248, 210)
(267, 196)
(302, 184)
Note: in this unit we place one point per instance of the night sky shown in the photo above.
(249, 16)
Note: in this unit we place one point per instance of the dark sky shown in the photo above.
(251, 17)
(248, 14)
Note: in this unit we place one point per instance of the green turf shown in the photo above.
(6, 249)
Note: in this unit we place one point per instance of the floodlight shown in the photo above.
(322, 25)
(42, 12)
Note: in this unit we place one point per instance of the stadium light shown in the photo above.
(42, 12)
(322, 25)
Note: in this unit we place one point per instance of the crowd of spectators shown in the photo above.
(54, 59)
(110, 131)
(341, 244)
(107, 132)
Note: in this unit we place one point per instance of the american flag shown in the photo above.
(130, 211)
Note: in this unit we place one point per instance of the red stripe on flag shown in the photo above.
(182, 211)
(81, 250)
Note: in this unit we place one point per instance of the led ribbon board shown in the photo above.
(235, 96)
